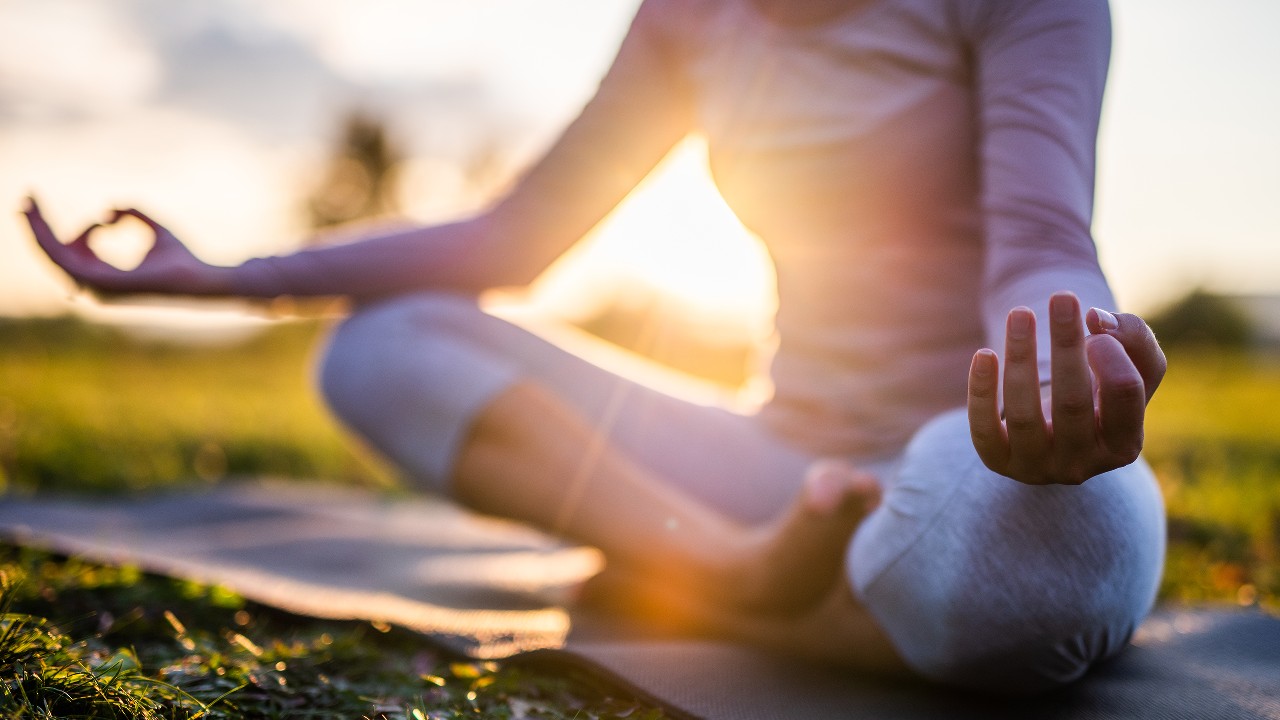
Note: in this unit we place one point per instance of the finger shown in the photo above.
(44, 235)
(1024, 418)
(1138, 341)
(985, 428)
(82, 240)
(1122, 398)
(164, 240)
(1074, 420)
(833, 485)
(82, 258)
(119, 213)
(75, 258)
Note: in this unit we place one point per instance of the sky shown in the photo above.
(217, 116)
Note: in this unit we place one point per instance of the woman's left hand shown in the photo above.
(168, 268)
(1095, 401)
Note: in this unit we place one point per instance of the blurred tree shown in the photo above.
(1203, 319)
(361, 180)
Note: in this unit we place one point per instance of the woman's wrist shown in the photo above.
(205, 281)
(254, 278)
(216, 281)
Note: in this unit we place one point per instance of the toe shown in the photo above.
(834, 486)
(824, 486)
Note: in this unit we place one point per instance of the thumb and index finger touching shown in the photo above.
(78, 259)
(1135, 340)
(120, 213)
(60, 252)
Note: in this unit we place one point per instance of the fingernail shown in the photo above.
(1106, 319)
(1020, 322)
(1060, 308)
(983, 362)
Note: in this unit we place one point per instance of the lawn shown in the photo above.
(1214, 440)
(83, 640)
(85, 409)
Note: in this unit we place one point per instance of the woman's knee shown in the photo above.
(368, 354)
(407, 377)
(996, 585)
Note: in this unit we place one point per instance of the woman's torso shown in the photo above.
(850, 147)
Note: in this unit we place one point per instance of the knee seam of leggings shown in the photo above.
(888, 565)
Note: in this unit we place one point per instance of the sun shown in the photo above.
(673, 236)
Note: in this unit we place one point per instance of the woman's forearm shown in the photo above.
(461, 256)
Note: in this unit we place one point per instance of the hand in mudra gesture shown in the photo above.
(168, 268)
(1088, 419)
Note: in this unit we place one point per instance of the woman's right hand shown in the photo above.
(168, 268)
(1088, 419)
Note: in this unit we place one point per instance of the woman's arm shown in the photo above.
(641, 109)
(1040, 69)
(1072, 407)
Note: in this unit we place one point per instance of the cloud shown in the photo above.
(81, 60)
(66, 60)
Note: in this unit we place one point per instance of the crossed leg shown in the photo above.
(531, 457)
(968, 577)
(696, 498)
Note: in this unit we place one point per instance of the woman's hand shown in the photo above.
(1095, 418)
(168, 268)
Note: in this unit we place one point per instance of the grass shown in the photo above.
(86, 410)
(1214, 440)
(127, 645)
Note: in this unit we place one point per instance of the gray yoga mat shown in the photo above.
(492, 589)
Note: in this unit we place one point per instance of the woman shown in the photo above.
(922, 173)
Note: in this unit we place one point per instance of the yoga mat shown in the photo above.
(493, 589)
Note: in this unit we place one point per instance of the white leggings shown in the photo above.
(978, 580)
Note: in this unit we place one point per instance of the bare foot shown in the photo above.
(783, 568)
(788, 565)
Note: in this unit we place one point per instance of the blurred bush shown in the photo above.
(1203, 319)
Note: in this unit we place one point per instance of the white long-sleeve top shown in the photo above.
(916, 169)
